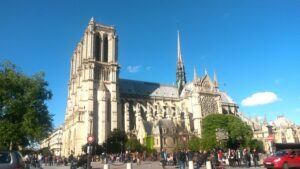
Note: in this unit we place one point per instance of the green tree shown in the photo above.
(134, 145)
(257, 144)
(24, 116)
(115, 141)
(194, 143)
(149, 140)
(239, 133)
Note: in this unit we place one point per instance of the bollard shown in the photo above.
(128, 166)
(208, 165)
(106, 166)
(191, 165)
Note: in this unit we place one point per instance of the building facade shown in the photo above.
(54, 142)
(99, 101)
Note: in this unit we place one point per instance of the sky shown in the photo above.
(252, 45)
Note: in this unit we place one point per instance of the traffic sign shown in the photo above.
(270, 137)
(90, 139)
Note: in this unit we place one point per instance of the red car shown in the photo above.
(283, 159)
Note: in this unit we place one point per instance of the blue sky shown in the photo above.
(253, 45)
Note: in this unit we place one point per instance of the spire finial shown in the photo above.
(179, 57)
(195, 74)
(205, 71)
(92, 20)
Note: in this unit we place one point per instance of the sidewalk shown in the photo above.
(144, 165)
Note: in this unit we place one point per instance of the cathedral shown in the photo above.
(100, 101)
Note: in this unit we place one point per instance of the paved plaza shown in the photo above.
(144, 165)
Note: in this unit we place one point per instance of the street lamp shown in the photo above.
(121, 147)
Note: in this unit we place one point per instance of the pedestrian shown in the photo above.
(214, 159)
(199, 158)
(174, 158)
(247, 158)
(181, 159)
(138, 158)
(163, 158)
(255, 158)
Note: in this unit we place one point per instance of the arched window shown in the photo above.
(105, 49)
(97, 47)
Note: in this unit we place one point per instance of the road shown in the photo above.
(144, 165)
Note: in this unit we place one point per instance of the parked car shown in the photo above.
(283, 159)
(11, 160)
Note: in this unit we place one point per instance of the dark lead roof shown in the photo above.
(147, 89)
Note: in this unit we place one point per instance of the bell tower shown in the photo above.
(101, 59)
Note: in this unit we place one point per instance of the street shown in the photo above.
(144, 165)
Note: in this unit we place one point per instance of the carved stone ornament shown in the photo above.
(208, 105)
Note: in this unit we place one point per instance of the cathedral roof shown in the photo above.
(166, 125)
(148, 127)
(147, 89)
(226, 99)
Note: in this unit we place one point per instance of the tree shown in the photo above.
(149, 140)
(239, 133)
(257, 144)
(134, 145)
(194, 143)
(115, 141)
(24, 117)
(96, 148)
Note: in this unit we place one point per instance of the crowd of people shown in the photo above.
(36, 160)
(218, 158)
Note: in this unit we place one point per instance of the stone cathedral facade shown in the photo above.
(99, 101)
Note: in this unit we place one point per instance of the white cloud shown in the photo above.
(133, 69)
(260, 98)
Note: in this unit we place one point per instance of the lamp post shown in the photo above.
(90, 140)
(121, 147)
(184, 141)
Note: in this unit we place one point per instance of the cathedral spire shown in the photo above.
(180, 73)
(179, 56)
(92, 21)
(215, 80)
(195, 74)
(265, 120)
(205, 71)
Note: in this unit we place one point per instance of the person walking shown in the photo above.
(181, 159)
(247, 158)
(163, 158)
(255, 158)
(174, 158)
(200, 159)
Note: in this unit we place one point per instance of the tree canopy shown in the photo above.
(239, 133)
(134, 145)
(115, 141)
(24, 116)
(194, 143)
